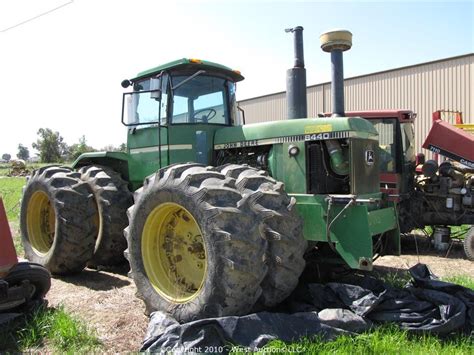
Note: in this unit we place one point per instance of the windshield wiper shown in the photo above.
(199, 72)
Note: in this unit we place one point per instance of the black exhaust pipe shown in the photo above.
(296, 79)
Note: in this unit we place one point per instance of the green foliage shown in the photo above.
(4, 169)
(387, 339)
(6, 157)
(395, 279)
(10, 192)
(16, 234)
(111, 148)
(77, 149)
(456, 231)
(52, 327)
(462, 280)
(50, 145)
(23, 152)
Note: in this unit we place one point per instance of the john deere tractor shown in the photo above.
(224, 216)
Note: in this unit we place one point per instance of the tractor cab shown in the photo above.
(173, 112)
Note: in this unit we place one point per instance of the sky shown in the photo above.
(62, 70)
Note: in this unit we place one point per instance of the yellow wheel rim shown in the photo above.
(173, 253)
(41, 222)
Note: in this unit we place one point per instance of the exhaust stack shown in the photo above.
(336, 42)
(296, 79)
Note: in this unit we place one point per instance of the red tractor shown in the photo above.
(441, 194)
(20, 282)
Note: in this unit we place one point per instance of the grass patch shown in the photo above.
(456, 231)
(10, 192)
(16, 235)
(387, 339)
(401, 278)
(462, 280)
(395, 279)
(53, 328)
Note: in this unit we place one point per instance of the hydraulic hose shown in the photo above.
(339, 163)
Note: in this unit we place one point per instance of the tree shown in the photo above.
(6, 157)
(79, 148)
(111, 148)
(50, 145)
(23, 152)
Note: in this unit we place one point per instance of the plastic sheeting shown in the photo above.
(425, 305)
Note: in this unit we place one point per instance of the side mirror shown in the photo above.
(155, 88)
(155, 94)
(420, 159)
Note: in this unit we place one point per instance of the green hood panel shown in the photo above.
(352, 126)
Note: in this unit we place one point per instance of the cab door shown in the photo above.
(144, 112)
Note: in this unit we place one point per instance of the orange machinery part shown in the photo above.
(8, 256)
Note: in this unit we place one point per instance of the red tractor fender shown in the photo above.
(8, 257)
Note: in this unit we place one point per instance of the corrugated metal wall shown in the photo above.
(424, 88)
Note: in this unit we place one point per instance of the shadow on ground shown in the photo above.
(411, 243)
(95, 280)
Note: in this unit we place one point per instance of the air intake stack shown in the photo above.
(296, 79)
(336, 42)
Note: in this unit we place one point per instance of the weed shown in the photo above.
(395, 279)
(54, 328)
(10, 192)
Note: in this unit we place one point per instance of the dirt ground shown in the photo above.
(106, 300)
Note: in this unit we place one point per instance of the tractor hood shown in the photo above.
(320, 128)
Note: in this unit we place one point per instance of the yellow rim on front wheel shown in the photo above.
(41, 222)
(173, 253)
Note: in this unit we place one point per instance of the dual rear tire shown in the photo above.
(70, 219)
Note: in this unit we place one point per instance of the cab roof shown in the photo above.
(189, 64)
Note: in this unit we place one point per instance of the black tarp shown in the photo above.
(426, 304)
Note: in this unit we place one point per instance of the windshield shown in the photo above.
(387, 152)
(202, 99)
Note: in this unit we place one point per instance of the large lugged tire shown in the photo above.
(469, 244)
(57, 220)
(113, 198)
(279, 225)
(193, 247)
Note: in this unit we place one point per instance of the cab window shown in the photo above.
(146, 105)
(386, 128)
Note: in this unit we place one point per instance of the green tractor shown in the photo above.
(224, 217)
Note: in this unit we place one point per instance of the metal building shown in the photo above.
(422, 88)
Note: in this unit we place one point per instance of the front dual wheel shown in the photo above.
(193, 247)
